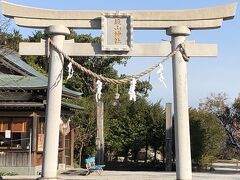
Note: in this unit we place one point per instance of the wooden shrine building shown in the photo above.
(23, 93)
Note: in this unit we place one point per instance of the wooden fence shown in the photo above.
(14, 159)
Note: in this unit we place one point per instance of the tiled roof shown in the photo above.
(35, 80)
(25, 82)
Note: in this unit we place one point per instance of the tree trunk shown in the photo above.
(126, 155)
(146, 154)
(155, 155)
(135, 157)
(163, 150)
(80, 155)
(116, 158)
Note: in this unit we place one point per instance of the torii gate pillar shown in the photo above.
(53, 109)
(181, 115)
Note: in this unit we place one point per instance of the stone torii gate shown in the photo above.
(116, 41)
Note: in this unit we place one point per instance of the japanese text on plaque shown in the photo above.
(117, 31)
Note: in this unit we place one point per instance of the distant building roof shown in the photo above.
(71, 106)
(34, 80)
(15, 59)
(24, 82)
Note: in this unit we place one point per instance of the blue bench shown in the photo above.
(91, 166)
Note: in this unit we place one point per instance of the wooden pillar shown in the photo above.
(63, 146)
(100, 134)
(34, 138)
(168, 137)
(72, 146)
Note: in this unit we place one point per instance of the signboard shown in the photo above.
(116, 32)
(40, 142)
(7, 133)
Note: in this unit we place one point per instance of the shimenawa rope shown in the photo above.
(180, 48)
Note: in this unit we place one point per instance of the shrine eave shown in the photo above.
(41, 105)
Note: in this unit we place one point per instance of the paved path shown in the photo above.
(128, 175)
(222, 171)
(137, 175)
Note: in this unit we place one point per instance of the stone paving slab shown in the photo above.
(137, 175)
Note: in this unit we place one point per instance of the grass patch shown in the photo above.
(8, 174)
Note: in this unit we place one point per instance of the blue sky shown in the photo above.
(205, 75)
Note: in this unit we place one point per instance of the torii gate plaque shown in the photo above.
(177, 23)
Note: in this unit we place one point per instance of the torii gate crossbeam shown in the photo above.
(203, 18)
(177, 23)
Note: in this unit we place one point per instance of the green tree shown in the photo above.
(235, 125)
(11, 39)
(4, 26)
(126, 127)
(134, 125)
(207, 136)
(84, 124)
(232, 149)
(39, 63)
(156, 127)
(228, 116)
(8, 39)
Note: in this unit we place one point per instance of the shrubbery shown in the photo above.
(207, 137)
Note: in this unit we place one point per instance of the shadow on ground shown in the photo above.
(225, 172)
(135, 166)
(141, 166)
(75, 172)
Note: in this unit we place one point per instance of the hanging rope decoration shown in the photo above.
(161, 77)
(70, 70)
(64, 126)
(99, 90)
(131, 92)
(180, 48)
(183, 51)
(117, 95)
